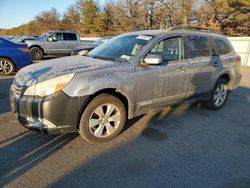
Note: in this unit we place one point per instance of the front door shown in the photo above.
(160, 85)
(55, 44)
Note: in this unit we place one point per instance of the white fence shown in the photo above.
(242, 47)
(89, 38)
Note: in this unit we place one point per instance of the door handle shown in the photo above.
(216, 64)
(181, 69)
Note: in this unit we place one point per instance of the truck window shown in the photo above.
(56, 36)
(69, 36)
(198, 46)
(222, 46)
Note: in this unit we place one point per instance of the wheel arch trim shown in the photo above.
(112, 91)
(226, 73)
(36, 45)
(12, 60)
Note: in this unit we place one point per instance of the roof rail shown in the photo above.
(194, 28)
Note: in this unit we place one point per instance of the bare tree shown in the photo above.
(49, 19)
(71, 18)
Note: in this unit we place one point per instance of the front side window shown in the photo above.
(169, 49)
(122, 48)
(57, 37)
(223, 47)
(198, 46)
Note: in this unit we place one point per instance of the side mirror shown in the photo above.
(50, 39)
(153, 59)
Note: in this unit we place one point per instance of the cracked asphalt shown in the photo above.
(188, 146)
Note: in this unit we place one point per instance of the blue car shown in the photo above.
(13, 56)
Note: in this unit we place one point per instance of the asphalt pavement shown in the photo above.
(188, 146)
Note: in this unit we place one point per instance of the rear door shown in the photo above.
(203, 65)
(70, 41)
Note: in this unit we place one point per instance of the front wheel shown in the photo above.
(219, 95)
(36, 53)
(103, 119)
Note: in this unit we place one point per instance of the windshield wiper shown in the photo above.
(121, 60)
(103, 58)
(118, 60)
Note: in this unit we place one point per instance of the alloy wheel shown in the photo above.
(6, 67)
(104, 120)
(220, 95)
(36, 53)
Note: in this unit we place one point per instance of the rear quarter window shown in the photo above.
(222, 47)
(198, 46)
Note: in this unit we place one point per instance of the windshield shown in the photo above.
(121, 48)
(98, 42)
(45, 34)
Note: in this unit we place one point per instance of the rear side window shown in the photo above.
(198, 46)
(69, 36)
(222, 47)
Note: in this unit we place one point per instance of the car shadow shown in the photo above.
(4, 95)
(28, 150)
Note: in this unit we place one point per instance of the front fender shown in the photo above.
(36, 43)
(89, 87)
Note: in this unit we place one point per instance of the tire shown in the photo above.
(36, 53)
(7, 67)
(96, 123)
(219, 94)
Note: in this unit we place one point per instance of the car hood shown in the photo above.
(32, 38)
(84, 47)
(33, 41)
(42, 71)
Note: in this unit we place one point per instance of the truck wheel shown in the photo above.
(7, 67)
(103, 119)
(219, 95)
(36, 53)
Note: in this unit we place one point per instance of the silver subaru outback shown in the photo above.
(129, 75)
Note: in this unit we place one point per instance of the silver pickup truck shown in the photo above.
(54, 43)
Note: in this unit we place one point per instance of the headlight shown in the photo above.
(49, 87)
(83, 52)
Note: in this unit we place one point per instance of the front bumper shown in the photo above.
(55, 114)
(74, 52)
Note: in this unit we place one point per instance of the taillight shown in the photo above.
(238, 59)
(24, 49)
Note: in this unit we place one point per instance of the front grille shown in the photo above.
(17, 90)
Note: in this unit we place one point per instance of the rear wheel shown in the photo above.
(219, 95)
(7, 67)
(36, 53)
(103, 119)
